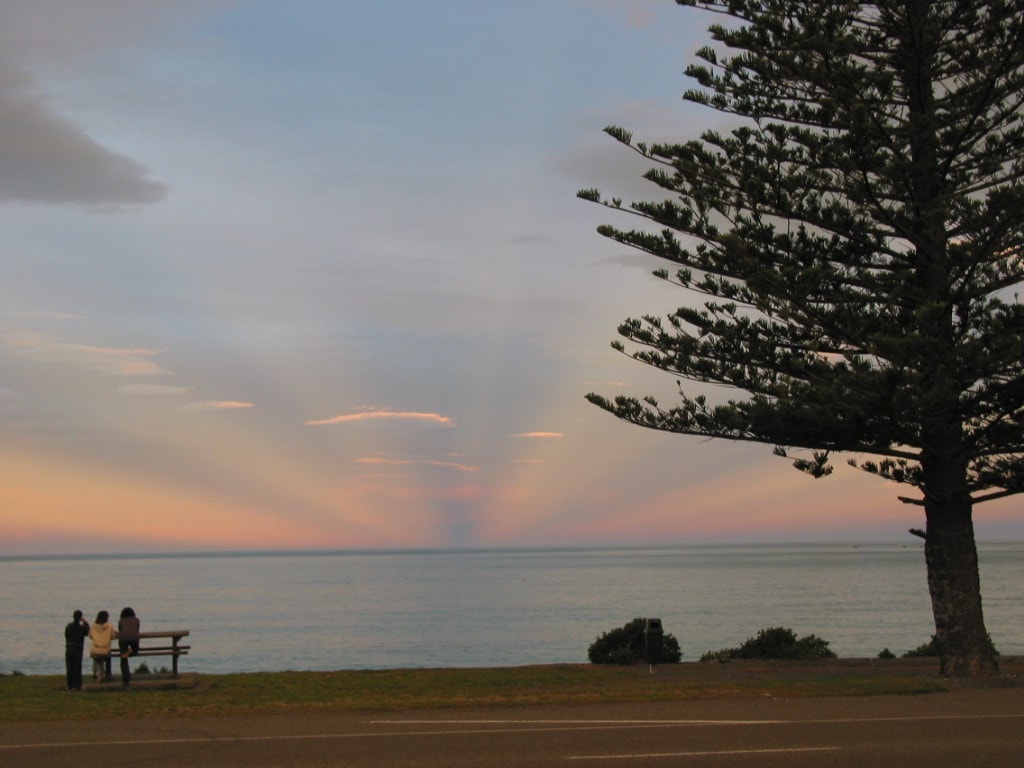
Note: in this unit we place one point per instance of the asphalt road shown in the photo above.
(960, 728)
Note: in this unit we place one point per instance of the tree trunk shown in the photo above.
(950, 551)
(955, 587)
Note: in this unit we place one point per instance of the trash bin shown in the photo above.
(654, 644)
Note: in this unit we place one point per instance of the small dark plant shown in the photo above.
(931, 648)
(885, 653)
(775, 643)
(142, 669)
(627, 645)
(923, 651)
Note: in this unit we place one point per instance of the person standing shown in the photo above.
(101, 638)
(74, 645)
(127, 641)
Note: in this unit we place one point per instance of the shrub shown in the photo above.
(931, 648)
(775, 643)
(923, 651)
(885, 653)
(627, 645)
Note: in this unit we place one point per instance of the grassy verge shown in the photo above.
(41, 697)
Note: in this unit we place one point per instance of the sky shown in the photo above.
(313, 275)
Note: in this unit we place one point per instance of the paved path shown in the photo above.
(976, 727)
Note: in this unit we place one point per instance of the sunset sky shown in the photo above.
(314, 275)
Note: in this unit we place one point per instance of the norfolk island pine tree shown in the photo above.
(857, 241)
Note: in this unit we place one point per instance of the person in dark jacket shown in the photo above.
(74, 646)
(127, 641)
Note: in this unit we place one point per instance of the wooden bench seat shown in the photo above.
(174, 650)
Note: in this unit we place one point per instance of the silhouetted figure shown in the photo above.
(74, 645)
(127, 641)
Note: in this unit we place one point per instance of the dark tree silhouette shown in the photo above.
(858, 239)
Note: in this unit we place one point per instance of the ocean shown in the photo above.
(274, 611)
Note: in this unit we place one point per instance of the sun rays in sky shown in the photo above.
(314, 275)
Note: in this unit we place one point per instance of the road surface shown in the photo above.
(974, 727)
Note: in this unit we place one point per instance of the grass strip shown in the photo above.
(43, 698)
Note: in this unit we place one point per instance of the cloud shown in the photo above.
(45, 158)
(638, 12)
(384, 415)
(217, 405)
(108, 361)
(426, 463)
(540, 435)
(158, 390)
(49, 315)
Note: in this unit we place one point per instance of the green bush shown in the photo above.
(775, 643)
(885, 653)
(923, 651)
(627, 645)
(931, 648)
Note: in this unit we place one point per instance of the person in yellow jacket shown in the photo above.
(101, 637)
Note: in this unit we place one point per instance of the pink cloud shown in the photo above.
(217, 405)
(49, 315)
(113, 361)
(409, 462)
(541, 435)
(153, 390)
(384, 415)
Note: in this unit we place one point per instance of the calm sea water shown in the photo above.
(359, 610)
